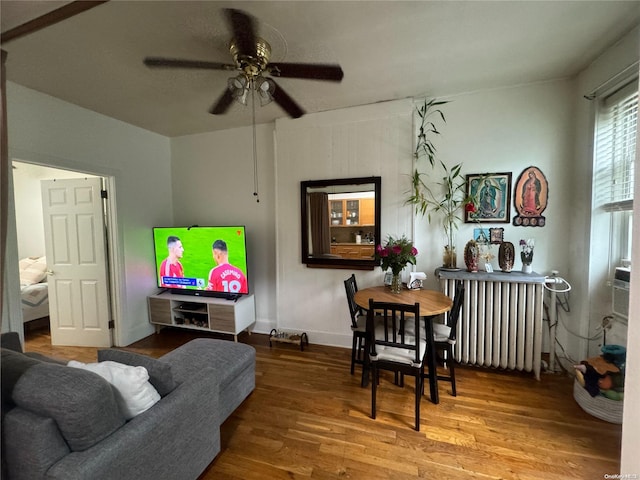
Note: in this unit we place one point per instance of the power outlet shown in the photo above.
(607, 322)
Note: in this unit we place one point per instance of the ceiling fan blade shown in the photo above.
(243, 31)
(287, 103)
(179, 63)
(223, 103)
(314, 71)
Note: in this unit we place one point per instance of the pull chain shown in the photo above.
(255, 148)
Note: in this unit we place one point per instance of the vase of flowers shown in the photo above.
(395, 255)
(526, 254)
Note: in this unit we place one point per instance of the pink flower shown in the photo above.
(470, 208)
(397, 253)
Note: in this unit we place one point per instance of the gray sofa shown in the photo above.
(63, 423)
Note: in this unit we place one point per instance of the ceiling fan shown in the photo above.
(251, 59)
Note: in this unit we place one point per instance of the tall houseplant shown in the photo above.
(446, 197)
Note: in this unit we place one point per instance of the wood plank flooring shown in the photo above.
(308, 418)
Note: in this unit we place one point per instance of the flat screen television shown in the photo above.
(202, 260)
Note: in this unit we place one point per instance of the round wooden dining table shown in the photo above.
(432, 303)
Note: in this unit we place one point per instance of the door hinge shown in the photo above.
(112, 324)
(103, 194)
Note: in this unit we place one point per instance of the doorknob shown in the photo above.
(49, 272)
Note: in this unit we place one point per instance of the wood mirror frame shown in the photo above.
(350, 210)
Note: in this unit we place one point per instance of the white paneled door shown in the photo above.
(75, 245)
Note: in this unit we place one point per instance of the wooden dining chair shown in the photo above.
(391, 348)
(358, 323)
(444, 337)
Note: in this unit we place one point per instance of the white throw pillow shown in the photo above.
(32, 270)
(135, 393)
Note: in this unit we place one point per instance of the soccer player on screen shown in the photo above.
(224, 277)
(171, 266)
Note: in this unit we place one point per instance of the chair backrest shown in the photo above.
(458, 297)
(386, 328)
(351, 287)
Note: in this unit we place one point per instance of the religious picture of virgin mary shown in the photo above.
(530, 198)
(491, 196)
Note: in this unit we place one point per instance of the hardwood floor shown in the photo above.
(309, 418)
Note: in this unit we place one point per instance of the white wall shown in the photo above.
(47, 131)
(374, 140)
(502, 130)
(213, 184)
(630, 463)
(508, 130)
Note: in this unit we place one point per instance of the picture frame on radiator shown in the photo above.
(496, 235)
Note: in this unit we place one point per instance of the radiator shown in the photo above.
(500, 323)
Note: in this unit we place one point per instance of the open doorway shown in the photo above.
(38, 300)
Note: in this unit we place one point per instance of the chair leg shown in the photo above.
(353, 355)
(452, 370)
(418, 399)
(374, 383)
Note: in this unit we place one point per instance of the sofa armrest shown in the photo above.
(177, 438)
(11, 340)
(32, 444)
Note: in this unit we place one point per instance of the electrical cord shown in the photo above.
(563, 305)
(560, 322)
(564, 357)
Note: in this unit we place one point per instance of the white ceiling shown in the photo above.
(387, 49)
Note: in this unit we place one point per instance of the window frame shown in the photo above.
(613, 167)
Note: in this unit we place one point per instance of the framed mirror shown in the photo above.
(340, 222)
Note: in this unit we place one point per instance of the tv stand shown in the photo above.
(230, 315)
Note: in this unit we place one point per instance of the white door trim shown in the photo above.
(116, 268)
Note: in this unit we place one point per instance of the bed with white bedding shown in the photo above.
(34, 290)
(35, 301)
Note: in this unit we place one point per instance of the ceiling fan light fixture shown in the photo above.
(239, 87)
(265, 88)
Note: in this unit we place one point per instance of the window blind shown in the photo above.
(616, 149)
